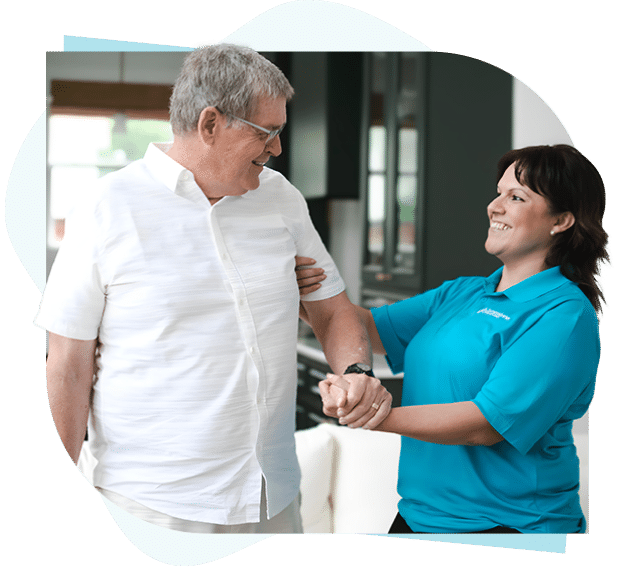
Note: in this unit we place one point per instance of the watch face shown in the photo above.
(363, 366)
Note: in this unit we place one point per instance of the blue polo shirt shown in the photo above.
(527, 357)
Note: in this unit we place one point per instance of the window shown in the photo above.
(392, 173)
(83, 148)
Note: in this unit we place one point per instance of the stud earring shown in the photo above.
(553, 232)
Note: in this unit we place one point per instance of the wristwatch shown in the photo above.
(360, 368)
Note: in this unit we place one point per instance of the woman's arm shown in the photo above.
(459, 423)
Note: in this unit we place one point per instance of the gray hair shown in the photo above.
(230, 77)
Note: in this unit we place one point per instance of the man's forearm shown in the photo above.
(69, 403)
(345, 341)
(340, 328)
(70, 375)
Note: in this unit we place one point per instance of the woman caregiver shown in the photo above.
(497, 369)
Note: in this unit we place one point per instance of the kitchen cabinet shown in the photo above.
(324, 124)
(433, 127)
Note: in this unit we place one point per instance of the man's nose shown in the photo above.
(274, 146)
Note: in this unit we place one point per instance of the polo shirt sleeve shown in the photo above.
(546, 374)
(74, 298)
(398, 323)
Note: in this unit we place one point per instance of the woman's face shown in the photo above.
(520, 223)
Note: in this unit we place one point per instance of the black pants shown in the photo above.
(399, 526)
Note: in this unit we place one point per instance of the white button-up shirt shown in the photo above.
(195, 308)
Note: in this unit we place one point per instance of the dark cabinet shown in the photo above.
(324, 123)
(433, 127)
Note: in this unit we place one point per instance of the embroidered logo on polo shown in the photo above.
(493, 313)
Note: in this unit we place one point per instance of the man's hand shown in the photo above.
(356, 399)
(308, 278)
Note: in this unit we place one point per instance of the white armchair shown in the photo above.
(349, 479)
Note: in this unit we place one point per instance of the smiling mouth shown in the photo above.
(499, 226)
(259, 163)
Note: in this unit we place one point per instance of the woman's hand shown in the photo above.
(308, 278)
(357, 400)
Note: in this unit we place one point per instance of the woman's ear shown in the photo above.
(565, 220)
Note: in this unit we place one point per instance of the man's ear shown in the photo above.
(208, 120)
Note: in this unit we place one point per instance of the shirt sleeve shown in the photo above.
(74, 298)
(546, 375)
(309, 244)
(398, 323)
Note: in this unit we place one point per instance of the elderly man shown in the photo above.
(172, 312)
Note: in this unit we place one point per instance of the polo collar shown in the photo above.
(528, 289)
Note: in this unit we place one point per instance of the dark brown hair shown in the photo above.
(570, 183)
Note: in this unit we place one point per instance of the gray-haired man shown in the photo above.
(172, 309)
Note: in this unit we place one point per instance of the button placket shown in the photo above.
(246, 321)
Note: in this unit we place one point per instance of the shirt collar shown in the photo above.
(170, 173)
(530, 288)
(173, 175)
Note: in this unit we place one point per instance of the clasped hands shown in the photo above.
(357, 400)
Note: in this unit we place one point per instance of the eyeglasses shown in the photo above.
(271, 133)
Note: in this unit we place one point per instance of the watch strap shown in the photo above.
(359, 368)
